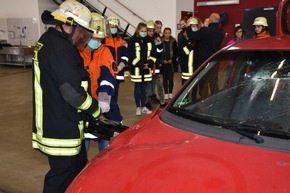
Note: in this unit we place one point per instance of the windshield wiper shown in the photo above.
(252, 129)
(255, 130)
(190, 115)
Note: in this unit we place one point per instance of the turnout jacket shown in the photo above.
(102, 69)
(141, 51)
(159, 55)
(60, 102)
(119, 52)
(186, 57)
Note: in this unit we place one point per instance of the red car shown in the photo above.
(227, 130)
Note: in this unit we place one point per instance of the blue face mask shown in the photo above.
(114, 30)
(143, 34)
(94, 44)
(157, 43)
(194, 29)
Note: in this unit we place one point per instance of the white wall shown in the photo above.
(16, 14)
(183, 5)
(18, 8)
(20, 22)
(169, 12)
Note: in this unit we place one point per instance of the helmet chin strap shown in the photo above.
(69, 35)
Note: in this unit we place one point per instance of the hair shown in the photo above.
(237, 28)
(140, 25)
(158, 22)
(163, 36)
(167, 28)
(183, 19)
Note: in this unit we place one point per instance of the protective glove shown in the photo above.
(104, 101)
(121, 66)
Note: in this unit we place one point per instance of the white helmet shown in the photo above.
(98, 25)
(75, 10)
(113, 20)
(261, 21)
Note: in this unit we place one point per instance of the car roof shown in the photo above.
(268, 43)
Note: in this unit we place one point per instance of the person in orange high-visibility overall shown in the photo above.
(101, 66)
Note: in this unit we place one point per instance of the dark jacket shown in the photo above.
(186, 57)
(119, 52)
(60, 102)
(159, 54)
(141, 51)
(209, 40)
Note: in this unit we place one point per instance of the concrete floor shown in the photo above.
(22, 168)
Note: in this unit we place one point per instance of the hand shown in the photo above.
(169, 61)
(104, 101)
(104, 106)
(145, 66)
(165, 62)
(121, 66)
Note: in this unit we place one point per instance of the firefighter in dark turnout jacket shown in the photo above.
(142, 56)
(61, 102)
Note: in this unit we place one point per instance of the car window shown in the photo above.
(241, 87)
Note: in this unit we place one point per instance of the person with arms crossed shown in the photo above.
(142, 56)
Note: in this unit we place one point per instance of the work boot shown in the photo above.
(154, 99)
(149, 106)
(161, 106)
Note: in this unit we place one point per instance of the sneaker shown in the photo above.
(170, 95)
(138, 111)
(166, 96)
(145, 110)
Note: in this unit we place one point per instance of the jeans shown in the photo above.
(101, 143)
(140, 93)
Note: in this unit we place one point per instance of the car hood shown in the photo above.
(163, 159)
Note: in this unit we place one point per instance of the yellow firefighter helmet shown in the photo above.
(113, 20)
(150, 24)
(261, 21)
(98, 25)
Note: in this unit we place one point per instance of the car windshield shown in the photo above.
(248, 88)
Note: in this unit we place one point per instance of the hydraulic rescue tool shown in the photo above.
(104, 128)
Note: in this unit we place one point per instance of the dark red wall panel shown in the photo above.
(235, 12)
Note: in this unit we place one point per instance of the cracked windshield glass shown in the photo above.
(241, 87)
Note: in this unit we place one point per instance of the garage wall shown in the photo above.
(235, 12)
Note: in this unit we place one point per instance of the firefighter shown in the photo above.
(102, 68)
(261, 27)
(156, 74)
(120, 54)
(142, 56)
(187, 50)
(61, 103)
